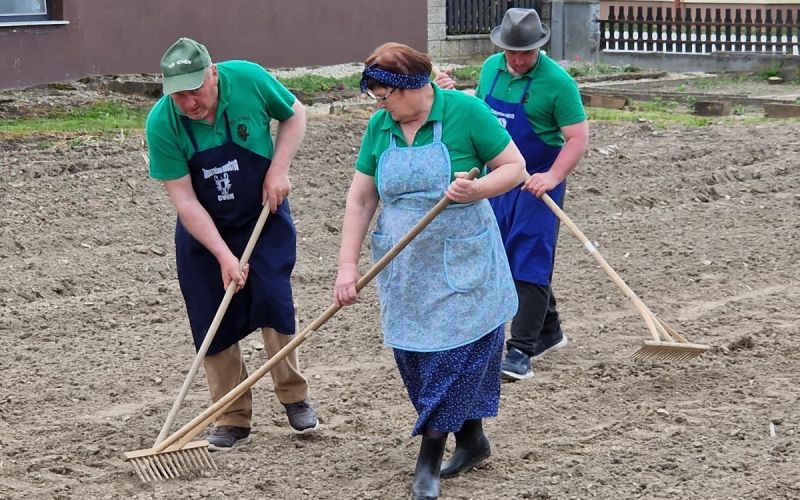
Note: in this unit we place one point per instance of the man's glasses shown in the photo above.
(382, 97)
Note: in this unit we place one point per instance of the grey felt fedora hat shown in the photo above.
(521, 29)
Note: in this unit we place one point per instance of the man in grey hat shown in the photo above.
(209, 142)
(540, 106)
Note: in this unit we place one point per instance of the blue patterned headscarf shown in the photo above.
(392, 79)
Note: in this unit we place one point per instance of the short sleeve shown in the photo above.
(167, 160)
(568, 106)
(278, 99)
(366, 163)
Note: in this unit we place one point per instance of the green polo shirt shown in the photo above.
(470, 131)
(553, 99)
(250, 96)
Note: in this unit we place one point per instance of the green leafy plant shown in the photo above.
(769, 72)
(471, 72)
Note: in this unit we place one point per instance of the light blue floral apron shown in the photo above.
(452, 284)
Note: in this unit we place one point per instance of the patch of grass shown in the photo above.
(580, 69)
(96, 118)
(471, 72)
(769, 72)
(656, 105)
(658, 118)
(311, 84)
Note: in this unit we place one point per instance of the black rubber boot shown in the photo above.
(472, 448)
(429, 461)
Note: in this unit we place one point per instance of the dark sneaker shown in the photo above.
(302, 417)
(224, 437)
(552, 343)
(516, 365)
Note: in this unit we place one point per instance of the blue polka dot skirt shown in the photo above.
(449, 387)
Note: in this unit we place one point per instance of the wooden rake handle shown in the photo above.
(653, 324)
(186, 433)
(212, 330)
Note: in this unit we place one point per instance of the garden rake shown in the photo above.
(196, 456)
(667, 344)
(178, 454)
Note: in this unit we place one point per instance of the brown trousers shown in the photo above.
(226, 369)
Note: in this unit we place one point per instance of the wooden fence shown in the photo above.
(700, 31)
(472, 17)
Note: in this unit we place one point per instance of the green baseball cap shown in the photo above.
(184, 65)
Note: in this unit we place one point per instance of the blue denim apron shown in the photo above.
(452, 284)
(528, 226)
(227, 181)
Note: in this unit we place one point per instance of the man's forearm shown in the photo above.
(200, 225)
(569, 157)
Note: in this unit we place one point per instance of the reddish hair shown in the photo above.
(399, 58)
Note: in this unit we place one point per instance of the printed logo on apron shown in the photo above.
(222, 180)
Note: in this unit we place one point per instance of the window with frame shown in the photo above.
(28, 11)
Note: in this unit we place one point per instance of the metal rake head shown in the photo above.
(669, 351)
(152, 465)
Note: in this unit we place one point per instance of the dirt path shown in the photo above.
(703, 223)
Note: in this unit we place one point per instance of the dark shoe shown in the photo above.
(551, 343)
(472, 448)
(516, 365)
(302, 417)
(426, 473)
(224, 437)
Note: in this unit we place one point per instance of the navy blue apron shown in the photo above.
(528, 226)
(227, 181)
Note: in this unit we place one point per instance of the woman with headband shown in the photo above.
(445, 298)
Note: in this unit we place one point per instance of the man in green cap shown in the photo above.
(209, 142)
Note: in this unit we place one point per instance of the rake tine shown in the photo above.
(166, 462)
(181, 458)
(188, 455)
(196, 459)
(169, 458)
(136, 468)
(163, 462)
(144, 466)
(205, 459)
(164, 470)
(151, 469)
(156, 465)
(177, 460)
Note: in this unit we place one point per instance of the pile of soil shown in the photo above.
(702, 223)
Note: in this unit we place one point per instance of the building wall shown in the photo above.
(130, 37)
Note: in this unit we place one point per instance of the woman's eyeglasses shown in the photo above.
(381, 97)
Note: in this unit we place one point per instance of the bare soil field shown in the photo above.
(704, 223)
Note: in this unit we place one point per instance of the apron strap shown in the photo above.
(187, 126)
(437, 131)
(494, 82)
(525, 91)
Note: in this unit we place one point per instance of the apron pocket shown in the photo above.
(467, 261)
(382, 243)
